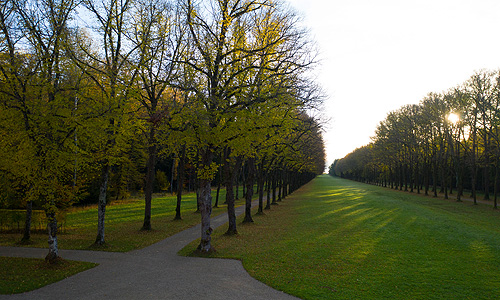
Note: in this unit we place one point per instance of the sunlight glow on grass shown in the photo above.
(367, 242)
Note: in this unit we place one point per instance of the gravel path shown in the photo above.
(155, 272)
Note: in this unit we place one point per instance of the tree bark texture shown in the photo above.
(101, 209)
(260, 186)
(150, 179)
(250, 179)
(230, 176)
(219, 181)
(53, 254)
(180, 183)
(205, 202)
(268, 190)
(273, 187)
(27, 223)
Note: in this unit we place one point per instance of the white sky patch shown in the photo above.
(380, 55)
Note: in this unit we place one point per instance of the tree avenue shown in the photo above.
(449, 141)
(154, 93)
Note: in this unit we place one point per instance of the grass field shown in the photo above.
(123, 221)
(26, 274)
(338, 239)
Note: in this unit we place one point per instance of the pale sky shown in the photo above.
(378, 55)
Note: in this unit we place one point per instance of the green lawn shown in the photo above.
(338, 239)
(123, 221)
(25, 274)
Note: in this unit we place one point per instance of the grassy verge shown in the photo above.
(337, 239)
(123, 222)
(25, 274)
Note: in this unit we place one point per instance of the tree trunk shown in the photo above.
(27, 224)
(268, 189)
(205, 202)
(237, 185)
(273, 187)
(180, 183)
(486, 167)
(219, 181)
(260, 186)
(434, 178)
(474, 167)
(495, 206)
(53, 254)
(280, 185)
(230, 175)
(250, 179)
(487, 180)
(150, 179)
(101, 210)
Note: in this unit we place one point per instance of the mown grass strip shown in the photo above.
(20, 275)
(123, 222)
(337, 239)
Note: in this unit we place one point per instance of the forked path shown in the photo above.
(155, 272)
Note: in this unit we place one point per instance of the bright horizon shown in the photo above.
(377, 56)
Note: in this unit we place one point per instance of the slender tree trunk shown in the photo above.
(417, 176)
(411, 174)
(487, 181)
(273, 187)
(486, 167)
(180, 183)
(405, 176)
(219, 182)
(260, 185)
(205, 201)
(250, 179)
(244, 181)
(280, 186)
(150, 179)
(27, 224)
(237, 184)
(460, 185)
(474, 166)
(230, 175)
(101, 210)
(426, 178)
(434, 178)
(53, 254)
(172, 174)
(495, 206)
(268, 189)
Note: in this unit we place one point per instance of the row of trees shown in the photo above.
(93, 90)
(447, 141)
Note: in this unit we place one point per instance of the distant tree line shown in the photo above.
(448, 143)
(99, 99)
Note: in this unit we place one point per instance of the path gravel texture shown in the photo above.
(155, 272)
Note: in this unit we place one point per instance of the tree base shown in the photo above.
(26, 241)
(200, 252)
(231, 232)
(247, 220)
(146, 228)
(52, 258)
(99, 243)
